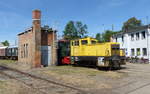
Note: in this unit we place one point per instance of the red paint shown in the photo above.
(66, 60)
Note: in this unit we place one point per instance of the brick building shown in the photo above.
(37, 44)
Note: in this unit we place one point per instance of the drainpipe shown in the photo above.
(148, 42)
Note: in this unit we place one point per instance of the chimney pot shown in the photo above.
(36, 14)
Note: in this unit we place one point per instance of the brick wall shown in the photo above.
(25, 54)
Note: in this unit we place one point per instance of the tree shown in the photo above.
(131, 24)
(5, 43)
(99, 37)
(105, 37)
(70, 31)
(81, 29)
(74, 30)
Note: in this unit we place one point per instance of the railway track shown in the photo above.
(44, 86)
(133, 82)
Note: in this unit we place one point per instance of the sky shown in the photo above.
(98, 15)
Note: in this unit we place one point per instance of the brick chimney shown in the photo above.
(36, 17)
(36, 22)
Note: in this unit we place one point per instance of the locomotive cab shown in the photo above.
(115, 49)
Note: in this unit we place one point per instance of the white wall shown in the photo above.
(128, 44)
(148, 42)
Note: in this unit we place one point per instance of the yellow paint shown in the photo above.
(122, 52)
(93, 48)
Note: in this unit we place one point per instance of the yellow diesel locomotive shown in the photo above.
(87, 51)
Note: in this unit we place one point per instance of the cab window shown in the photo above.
(115, 47)
(93, 42)
(72, 43)
(84, 42)
(76, 43)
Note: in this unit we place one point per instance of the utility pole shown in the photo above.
(15, 42)
(147, 18)
(103, 27)
(112, 27)
(54, 55)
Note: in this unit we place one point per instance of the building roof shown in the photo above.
(3, 47)
(45, 28)
(138, 28)
(133, 30)
(13, 46)
(63, 40)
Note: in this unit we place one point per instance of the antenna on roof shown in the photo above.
(103, 27)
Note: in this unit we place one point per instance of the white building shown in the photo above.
(136, 42)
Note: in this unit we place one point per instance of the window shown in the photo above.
(122, 39)
(132, 37)
(16, 52)
(13, 50)
(126, 50)
(9, 50)
(72, 43)
(76, 43)
(21, 51)
(138, 52)
(144, 52)
(137, 36)
(143, 35)
(132, 52)
(93, 42)
(84, 42)
(115, 47)
(26, 50)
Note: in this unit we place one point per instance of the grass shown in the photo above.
(65, 70)
(74, 75)
(83, 77)
(2, 83)
(7, 61)
(84, 71)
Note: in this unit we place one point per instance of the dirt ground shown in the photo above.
(131, 79)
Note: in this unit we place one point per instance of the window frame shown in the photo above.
(83, 42)
(93, 42)
(72, 43)
(132, 37)
(138, 54)
(27, 50)
(144, 52)
(137, 36)
(116, 39)
(122, 38)
(143, 36)
(132, 52)
(76, 43)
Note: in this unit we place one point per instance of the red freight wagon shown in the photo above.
(3, 52)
